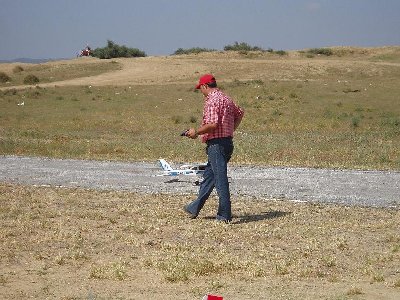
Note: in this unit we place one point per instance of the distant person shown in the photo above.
(221, 117)
(85, 52)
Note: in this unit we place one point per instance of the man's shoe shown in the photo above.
(191, 215)
(222, 220)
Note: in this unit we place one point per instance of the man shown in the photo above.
(221, 117)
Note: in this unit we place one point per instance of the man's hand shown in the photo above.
(207, 128)
(192, 133)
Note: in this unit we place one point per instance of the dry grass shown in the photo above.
(75, 244)
(286, 123)
(57, 71)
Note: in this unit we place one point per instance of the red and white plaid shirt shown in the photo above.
(221, 110)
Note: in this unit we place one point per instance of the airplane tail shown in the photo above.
(164, 165)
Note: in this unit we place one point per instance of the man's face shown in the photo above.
(204, 89)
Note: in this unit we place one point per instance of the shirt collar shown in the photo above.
(212, 93)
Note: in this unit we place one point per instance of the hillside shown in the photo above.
(302, 109)
(227, 66)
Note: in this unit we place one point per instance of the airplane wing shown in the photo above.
(195, 166)
(189, 169)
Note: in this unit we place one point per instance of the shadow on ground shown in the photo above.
(260, 217)
(255, 218)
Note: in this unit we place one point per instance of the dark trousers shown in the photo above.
(219, 152)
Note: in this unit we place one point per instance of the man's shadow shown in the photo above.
(269, 215)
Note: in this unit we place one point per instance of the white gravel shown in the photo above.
(348, 187)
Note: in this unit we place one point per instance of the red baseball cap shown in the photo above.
(208, 78)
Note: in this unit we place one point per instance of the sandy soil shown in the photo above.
(58, 243)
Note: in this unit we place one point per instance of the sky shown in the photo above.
(60, 28)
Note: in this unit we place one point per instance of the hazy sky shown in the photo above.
(60, 28)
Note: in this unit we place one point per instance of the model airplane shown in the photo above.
(186, 170)
(193, 169)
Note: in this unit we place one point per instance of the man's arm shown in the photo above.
(238, 117)
(206, 128)
(237, 122)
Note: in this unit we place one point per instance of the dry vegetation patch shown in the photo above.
(55, 71)
(75, 244)
(353, 122)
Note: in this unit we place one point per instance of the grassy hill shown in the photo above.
(302, 109)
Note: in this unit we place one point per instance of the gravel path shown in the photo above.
(349, 187)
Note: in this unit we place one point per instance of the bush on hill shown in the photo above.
(281, 52)
(31, 79)
(242, 47)
(321, 51)
(4, 77)
(195, 50)
(113, 50)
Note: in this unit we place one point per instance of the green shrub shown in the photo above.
(281, 52)
(113, 50)
(4, 77)
(195, 50)
(31, 79)
(321, 51)
(242, 47)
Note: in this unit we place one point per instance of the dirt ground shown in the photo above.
(59, 243)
